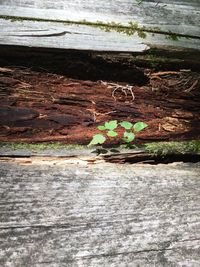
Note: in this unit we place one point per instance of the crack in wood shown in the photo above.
(44, 35)
(128, 252)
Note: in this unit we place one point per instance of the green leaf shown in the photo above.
(112, 134)
(139, 126)
(128, 137)
(111, 125)
(97, 139)
(101, 127)
(126, 125)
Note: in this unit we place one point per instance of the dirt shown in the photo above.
(38, 106)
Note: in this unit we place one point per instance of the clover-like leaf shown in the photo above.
(126, 125)
(128, 137)
(111, 125)
(97, 139)
(112, 134)
(101, 127)
(139, 126)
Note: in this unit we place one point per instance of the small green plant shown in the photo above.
(110, 130)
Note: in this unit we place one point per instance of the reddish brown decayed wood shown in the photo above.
(39, 106)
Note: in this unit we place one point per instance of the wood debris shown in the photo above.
(125, 89)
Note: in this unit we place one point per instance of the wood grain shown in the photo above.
(56, 35)
(80, 37)
(175, 17)
(178, 16)
(99, 215)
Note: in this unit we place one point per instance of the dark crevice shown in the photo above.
(151, 159)
(14, 156)
(81, 65)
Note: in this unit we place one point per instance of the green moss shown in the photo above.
(38, 146)
(157, 148)
(129, 30)
(163, 148)
(173, 37)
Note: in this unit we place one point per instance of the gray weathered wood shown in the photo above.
(61, 214)
(71, 36)
(178, 16)
(56, 35)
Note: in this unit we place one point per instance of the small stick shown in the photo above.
(116, 87)
(161, 73)
(191, 87)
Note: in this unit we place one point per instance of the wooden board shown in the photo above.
(57, 35)
(82, 37)
(177, 17)
(61, 214)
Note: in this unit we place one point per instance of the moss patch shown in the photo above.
(163, 148)
(39, 147)
(157, 148)
(129, 30)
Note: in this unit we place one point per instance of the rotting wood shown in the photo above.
(70, 110)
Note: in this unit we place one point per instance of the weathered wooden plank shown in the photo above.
(178, 16)
(56, 35)
(71, 215)
(82, 37)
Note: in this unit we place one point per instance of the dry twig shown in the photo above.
(122, 88)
